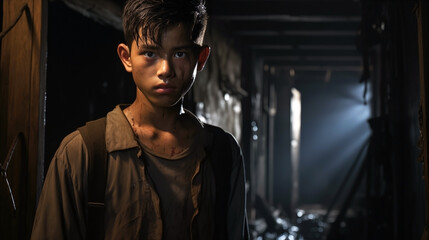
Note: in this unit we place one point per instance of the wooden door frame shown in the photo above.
(22, 104)
(423, 41)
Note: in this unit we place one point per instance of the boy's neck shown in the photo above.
(168, 132)
(164, 119)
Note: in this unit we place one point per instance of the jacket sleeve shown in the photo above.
(61, 211)
(237, 216)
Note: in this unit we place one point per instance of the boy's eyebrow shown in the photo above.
(150, 47)
(157, 47)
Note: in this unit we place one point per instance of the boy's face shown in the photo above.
(164, 73)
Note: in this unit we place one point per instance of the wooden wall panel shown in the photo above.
(22, 87)
(423, 40)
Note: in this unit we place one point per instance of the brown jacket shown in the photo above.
(132, 208)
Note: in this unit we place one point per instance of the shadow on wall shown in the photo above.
(217, 90)
(85, 78)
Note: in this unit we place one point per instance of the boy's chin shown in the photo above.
(171, 104)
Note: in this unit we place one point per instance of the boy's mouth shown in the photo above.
(164, 88)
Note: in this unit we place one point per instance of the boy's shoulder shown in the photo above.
(211, 130)
(221, 141)
(71, 155)
(218, 132)
(71, 142)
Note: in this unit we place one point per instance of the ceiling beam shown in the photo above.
(102, 11)
(295, 10)
(294, 33)
(320, 63)
(285, 26)
(313, 47)
(301, 58)
(290, 18)
(296, 40)
(271, 52)
(318, 68)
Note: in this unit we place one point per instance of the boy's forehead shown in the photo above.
(179, 33)
(145, 40)
(170, 45)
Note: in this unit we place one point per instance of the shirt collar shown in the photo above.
(119, 134)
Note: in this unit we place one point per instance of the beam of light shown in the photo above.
(334, 129)
(295, 119)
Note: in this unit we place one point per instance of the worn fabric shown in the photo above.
(132, 206)
(172, 181)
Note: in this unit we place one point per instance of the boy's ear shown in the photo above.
(125, 54)
(203, 56)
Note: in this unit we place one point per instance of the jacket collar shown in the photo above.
(119, 134)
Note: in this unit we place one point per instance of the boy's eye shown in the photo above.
(149, 54)
(180, 54)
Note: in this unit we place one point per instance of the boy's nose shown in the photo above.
(165, 70)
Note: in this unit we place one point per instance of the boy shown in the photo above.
(168, 175)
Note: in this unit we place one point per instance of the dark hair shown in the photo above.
(148, 19)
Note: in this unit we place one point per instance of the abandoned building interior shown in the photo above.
(327, 99)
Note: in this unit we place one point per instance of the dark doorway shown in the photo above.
(85, 78)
